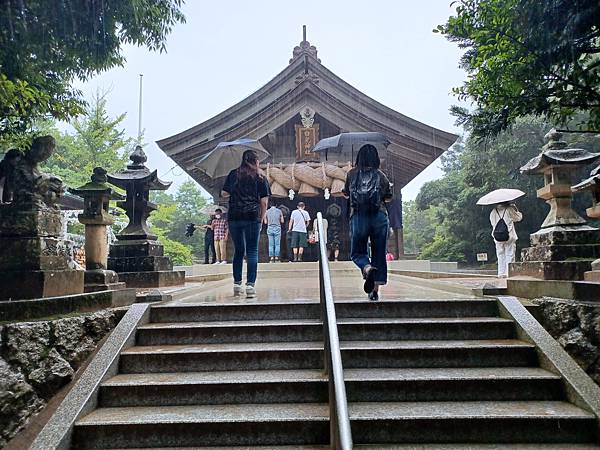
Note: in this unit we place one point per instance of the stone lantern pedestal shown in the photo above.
(97, 195)
(564, 247)
(137, 256)
(592, 185)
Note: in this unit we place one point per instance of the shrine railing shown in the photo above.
(340, 432)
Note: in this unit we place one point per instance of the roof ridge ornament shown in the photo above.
(304, 48)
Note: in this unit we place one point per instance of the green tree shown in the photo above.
(419, 227)
(460, 228)
(44, 45)
(98, 140)
(161, 222)
(527, 57)
(174, 213)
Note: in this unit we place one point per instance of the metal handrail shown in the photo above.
(340, 432)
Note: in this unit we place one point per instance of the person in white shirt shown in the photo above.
(505, 251)
(297, 226)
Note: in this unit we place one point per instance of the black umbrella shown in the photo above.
(349, 142)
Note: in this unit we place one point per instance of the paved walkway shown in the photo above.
(303, 286)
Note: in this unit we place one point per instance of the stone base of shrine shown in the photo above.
(154, 279)
(594, 274)
(102, 280)
(21, 285)
(551, 270)
(559, 253)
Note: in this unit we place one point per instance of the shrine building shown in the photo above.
(304, 103)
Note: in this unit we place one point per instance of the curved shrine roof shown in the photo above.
(305, 82)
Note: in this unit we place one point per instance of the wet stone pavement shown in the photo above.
(279, 287)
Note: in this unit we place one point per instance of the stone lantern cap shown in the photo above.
(137, 173)
(589, 184)
(97, 187)
(556, 153)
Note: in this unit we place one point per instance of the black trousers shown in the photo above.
(209, 246)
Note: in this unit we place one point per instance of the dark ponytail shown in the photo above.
(367, 158)
(249, 166)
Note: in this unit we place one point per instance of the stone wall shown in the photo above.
(38, 358)
(576, 326)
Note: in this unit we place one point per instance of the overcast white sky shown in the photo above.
(228, 49)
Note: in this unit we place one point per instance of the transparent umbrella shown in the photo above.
(228, 155)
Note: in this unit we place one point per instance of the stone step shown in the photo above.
(410, 446)
(245, 447)
(215, 388)
(302, 386)
(203, 426)
(471, 422)
(308, 424)
(463, 446)
(218, 332)
(309, 355)
(311, 310)
(467, 446)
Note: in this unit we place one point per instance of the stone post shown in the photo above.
(96, 218)
(564, 247)
(138, 257)
(35, 260)
(592, 185)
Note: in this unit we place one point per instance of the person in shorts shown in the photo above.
(299, 221)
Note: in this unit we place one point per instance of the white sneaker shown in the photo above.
(250, 291)
(223, 262)
(215, 263)
(237, 289)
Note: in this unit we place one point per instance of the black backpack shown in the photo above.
(501, 233)
(365, 192)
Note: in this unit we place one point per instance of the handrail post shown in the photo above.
(340, 432)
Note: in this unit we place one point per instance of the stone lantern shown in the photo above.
(35, 260)
(137, 256)
(565, 246)
(96, 196)
(592, 185)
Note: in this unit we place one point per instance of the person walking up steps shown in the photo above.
(503, 218)
(273, 220)
(368, 189)
(248, 192)
(221, 232)
(299, 220)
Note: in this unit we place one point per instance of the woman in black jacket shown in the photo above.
(248, 192)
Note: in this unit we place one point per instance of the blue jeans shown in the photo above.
(245, 235)
(375, 227)
(274, 235)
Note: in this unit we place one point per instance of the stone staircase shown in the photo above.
(418, 373)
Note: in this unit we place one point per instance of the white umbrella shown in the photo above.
(210, 209)
(228, 155)
(500, 196)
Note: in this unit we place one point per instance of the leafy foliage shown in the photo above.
(527, 57)
(98, 140)
(170, 220)
(449, 225)
(45, 44)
